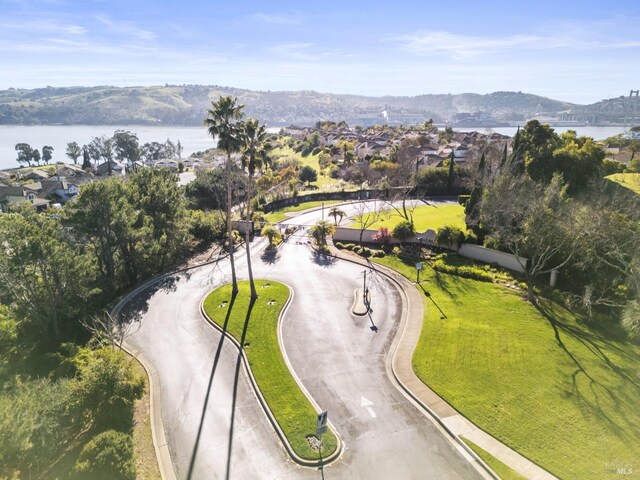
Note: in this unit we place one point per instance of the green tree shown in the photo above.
(404, 231)
(536, 144)
(103, 218)
(159, 203)
(107, 387)
(40, 272)
(25, 153)
(223, 123)
(127, 147)
(208, 190)
(579, 160)
(73, 152)
(537, 223)
(336, 212)
(35, 156)
(320, 230)
(308, 174)
(449, 236)
(255, 155)
(108, 456)
(272, 234)
(86, 162)
(450, 176)
(47, 153)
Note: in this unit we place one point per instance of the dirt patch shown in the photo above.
(146, 461)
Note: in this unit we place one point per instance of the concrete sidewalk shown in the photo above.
(445, 414)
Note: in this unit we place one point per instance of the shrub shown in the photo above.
(206, 226)
(108, 456)
(473, 273)
(404, 231)
(378, 254)
(471, 238)
(449, 236)
(357, 250)
(383, 236)
(272, 233)
(107, 387)
(339, 245)
(366, 252)
(631, 320)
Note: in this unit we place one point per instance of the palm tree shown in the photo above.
(335, 212)
(223, 122)
(254, 155)
(320, 230)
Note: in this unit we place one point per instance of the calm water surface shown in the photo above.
(193, 139)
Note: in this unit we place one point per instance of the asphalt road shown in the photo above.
(214, 425)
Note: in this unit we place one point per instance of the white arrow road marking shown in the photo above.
(368, 404)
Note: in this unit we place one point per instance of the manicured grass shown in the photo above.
(424, 217)
(628, 180)
(503, 471)
(279, 215)
(324, 182)
(563, 395)
(290, 406)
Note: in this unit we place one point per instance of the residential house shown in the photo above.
(13, 195)
(35, 174)
(59, 190)
(70, 170)
(116, 168)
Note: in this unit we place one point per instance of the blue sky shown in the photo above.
(579, 51)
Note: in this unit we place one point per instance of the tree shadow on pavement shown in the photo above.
(322, 259)
(236, 379)
(270, 256)
(135, 309)
(216, 359)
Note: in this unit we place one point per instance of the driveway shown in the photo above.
(214, 425)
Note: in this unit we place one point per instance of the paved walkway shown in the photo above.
(445, 414)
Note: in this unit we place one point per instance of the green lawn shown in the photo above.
(324, 182)
(290, 406)
(629, 180)
(424, 217)
(279, 215)
(564, 396)
(503, 471)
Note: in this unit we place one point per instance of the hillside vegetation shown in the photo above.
(187, 104)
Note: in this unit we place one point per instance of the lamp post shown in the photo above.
(419, 264)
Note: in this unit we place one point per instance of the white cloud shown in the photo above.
(460, 46)
(277, 18)
(293, 51)
(125, 28)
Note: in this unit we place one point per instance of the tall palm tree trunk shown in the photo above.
(234, 280)
(254, 294)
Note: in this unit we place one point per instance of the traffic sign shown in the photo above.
(322, 420)
(419, 266)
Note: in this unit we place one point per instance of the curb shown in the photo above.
(163, 456)
(390, 364)
(263, 403)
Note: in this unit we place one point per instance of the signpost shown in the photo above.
(418, 268)
(321, 425)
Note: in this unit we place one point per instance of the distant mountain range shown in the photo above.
(187, 105)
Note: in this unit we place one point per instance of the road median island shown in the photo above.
(256, 327)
